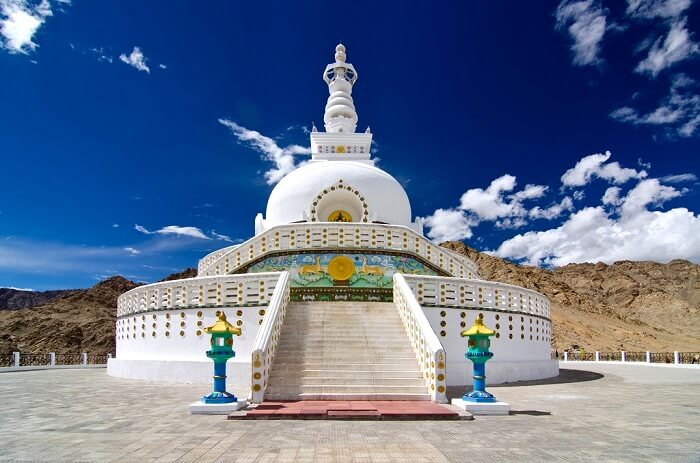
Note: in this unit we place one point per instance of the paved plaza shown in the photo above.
(592, 412)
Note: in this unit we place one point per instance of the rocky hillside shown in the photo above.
(629, 306)
(80, 322)
(73, 321)
(13, 299)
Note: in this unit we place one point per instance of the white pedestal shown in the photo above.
(200, 408)
(482, 408)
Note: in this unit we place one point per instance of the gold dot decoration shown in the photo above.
(257, 375)
(256, 387)
(182, 333)
(239, 313)
(441, 389)
(441, 377)
(199, 314)
(199, 332)
(443, 313)
(262, 312)
(443, 333)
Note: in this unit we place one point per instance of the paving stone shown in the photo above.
(596, 413)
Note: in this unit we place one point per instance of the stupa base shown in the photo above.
(200, 408)
(482, 408)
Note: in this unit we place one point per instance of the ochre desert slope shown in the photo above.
(633, 306)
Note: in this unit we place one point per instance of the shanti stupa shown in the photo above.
(339, 295)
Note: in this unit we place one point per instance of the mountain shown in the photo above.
(82, 321)
(633, 306)
(13, 299)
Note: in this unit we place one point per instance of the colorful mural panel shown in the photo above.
(341, 270)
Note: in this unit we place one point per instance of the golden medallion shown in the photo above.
(341, 267)
(339, 216)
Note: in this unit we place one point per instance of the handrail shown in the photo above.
(325, 235)
(426, 345)
(482, 294)
(214, 291)
(265, 343)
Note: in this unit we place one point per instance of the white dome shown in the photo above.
(364, 192)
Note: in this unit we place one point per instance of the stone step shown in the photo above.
(303, 381)
(331, 373)
(278, 389)
(380, 344)
(341, 357)
(347, 366)
(347, 396)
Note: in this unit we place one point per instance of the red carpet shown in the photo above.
(340, 409)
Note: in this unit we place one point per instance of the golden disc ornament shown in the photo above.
(341, 268)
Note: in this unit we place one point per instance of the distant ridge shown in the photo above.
(13, 299)
(80, 320)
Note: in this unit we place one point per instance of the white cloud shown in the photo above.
(115, 225)
(679, 112)
(553, 211)
(596, 165)
(677, 47)
(448, 225)
(493, 204)
(579, 195)
(132, 251)
(679, 178)
(163, 66)
(176, 230)
(16, 289)
(221, 237)
(628, 232)
(586, 23)
(282, 158)
(612, 196)
(136, 59)
(19, 22)
(649, 9)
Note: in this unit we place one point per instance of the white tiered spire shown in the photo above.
(340, 142)
(340, 116)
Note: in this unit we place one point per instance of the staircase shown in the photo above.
(344, 351)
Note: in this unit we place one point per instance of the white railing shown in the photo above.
(330, 235)
(481, 294)
(217, 291)
(265, 343)
(429, 351)
(207, 260)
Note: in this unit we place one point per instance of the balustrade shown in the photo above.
(477, 294)
(216, 291)
(426, 345)
(265, 344)
(330, 235)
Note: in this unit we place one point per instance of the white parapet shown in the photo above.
(426, 345)
(336, 235)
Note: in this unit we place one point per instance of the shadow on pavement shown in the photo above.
(529, 412)
(565, 376)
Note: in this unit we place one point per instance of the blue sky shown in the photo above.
(135, 137)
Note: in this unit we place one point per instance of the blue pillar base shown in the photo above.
(219, 398)
(479, 397)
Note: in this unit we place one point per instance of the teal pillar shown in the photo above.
(478, 352)
(221, 351)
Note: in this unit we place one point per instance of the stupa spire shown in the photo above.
(340, 115)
